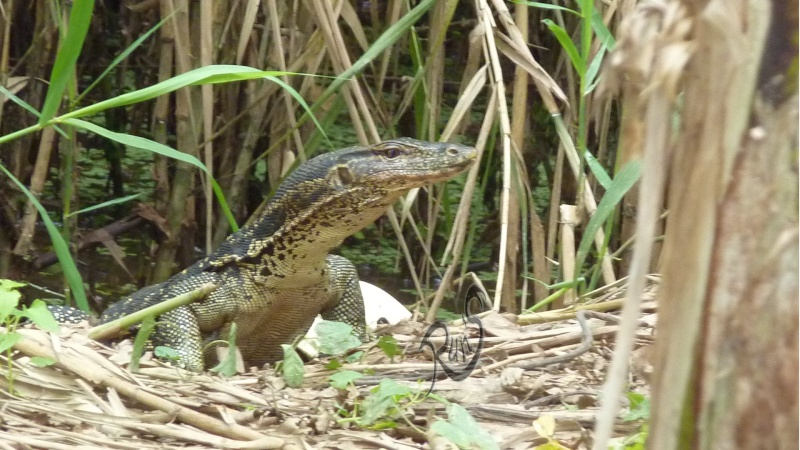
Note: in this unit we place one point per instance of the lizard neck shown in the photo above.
(297, 251)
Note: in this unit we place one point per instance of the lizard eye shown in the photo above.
(392, 153)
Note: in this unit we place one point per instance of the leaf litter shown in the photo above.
(536, 385)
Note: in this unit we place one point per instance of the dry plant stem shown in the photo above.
(277, 40)
(434, 69)
(516, 48)
(106, 443)
(517, 193)
(545, 83)
(541, 266)
(589, 202)
(555, 200)
(248, 22)
(38, 178)
(460, 228)
(485, 16)
(398, 231)
(186, 129)
(394, 9)
(113, 329)
(465, 100)
(38, 343)
(7, 13)
(207, 91)
(161, 110)
(568, 313)
(654, 169)
(338, 54)
(568, 221)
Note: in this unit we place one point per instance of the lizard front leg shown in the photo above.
(346, 302)
(178, 329)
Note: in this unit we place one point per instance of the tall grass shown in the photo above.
(404, 81)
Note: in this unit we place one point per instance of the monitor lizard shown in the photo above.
(276, 274)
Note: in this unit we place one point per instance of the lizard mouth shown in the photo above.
(464, 157)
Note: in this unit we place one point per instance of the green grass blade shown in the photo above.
(302, 103)
(22, 103)
(25, 105)
(123, 55)
(621, 184)
(594, 68)
(71, 273)
(598, 170)
(567, 45)
(203, 75)
(161, 149)
(602, 31)
(386, 40)
(104, 204)
(79, 18)
(547, 6)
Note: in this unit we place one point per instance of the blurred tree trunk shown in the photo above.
(726, 360)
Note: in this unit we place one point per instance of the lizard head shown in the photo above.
(400, 164)
(335, 194)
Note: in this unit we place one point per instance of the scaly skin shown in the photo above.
(275, 275)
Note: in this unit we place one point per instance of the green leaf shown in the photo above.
(591, 73)
(8, 340)
(42, 317)
(354, 357)
(63, 68)
(140, 342)
(105, 204)
(389, 346)
(634, 442)
(10, 284)
(568, 45)
(167, 353)
(213, 74)
(161, 149)
(9, 298)
(639, 408)
(384, 425)
(342, 379)
(461, 429)
(602, 32)
(547, 6)
(42, 361)
(59, 246)
(335, 338)
(597, 169)
(227, 366)
(293, 372)
(383, 401)
(25, 105)
(300, 100)
(333, 364)
(620, 186)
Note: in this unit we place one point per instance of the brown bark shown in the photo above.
(726, 363)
